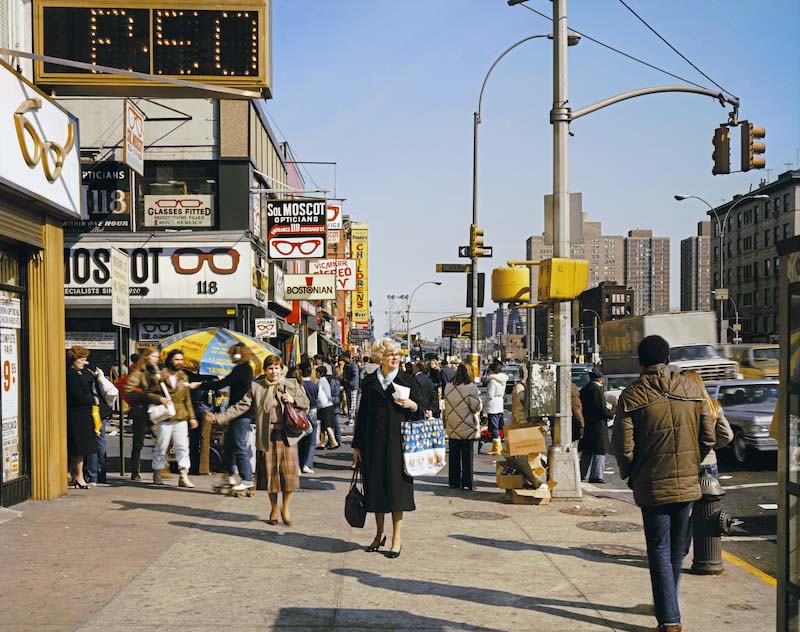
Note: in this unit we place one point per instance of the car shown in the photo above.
(748, 406)
(580, 374)
(615, 384)
(512, 371)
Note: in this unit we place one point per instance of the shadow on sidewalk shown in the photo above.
(583, 553)
(313, 543)
(483, 596)
(352, 618)
(183, 510)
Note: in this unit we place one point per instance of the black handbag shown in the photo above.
(354, 511)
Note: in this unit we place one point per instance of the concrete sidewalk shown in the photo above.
(134, 557)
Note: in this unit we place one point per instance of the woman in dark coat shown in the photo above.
(80, 425)
(378, 443)
(594, 444)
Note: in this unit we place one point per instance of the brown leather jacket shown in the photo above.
(662, 431)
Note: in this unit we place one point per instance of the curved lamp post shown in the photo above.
(723, 334)
(573, 39)
(408, 313)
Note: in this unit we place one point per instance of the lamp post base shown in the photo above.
(564, 469)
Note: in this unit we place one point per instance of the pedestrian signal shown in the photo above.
(562, 279)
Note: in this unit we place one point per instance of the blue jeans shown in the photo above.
(594, 465)
(668, 534)
(308, 444)
(95, 465)
(236, 450)
(712, 468)
(495, 423)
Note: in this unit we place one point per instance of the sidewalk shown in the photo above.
(132, 557)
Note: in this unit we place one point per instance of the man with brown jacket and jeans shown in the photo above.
(663, 429)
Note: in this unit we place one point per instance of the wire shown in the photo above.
(616, 50)
(686, 59)
(298, 162)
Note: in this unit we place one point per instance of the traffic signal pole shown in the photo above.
(563, 455)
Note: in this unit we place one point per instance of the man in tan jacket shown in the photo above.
(662, 431)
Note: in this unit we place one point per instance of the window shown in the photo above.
(748, 217)
(728, 227)
(716, 279)
(739, 246)
(766, 325)
(766, 209)
(766, 267)
(776, 265)
(738, 274)
(777, 206)
(755, 269)
(755, 241)
(786, 231)
(766, 299)
(757, 214)
(766, 239)
(786, 204)
(716, 253)
(776, 235)
(774, 296)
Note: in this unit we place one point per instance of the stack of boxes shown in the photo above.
(523, 473)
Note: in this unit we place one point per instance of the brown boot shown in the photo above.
(670, 628)
(497, 448)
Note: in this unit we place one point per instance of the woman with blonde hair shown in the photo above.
(267, 400)
(721, 427)
(462, 407)
(389, 397)
(143, 389)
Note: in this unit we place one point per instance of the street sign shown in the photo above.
(481, 288)
(721, 294)
(463, 251)
(736, 327)
(133, 137)
(120, 292)
(456, 328)
(453, 267)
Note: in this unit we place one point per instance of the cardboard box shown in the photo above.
(531, 466)
(508, 481)
(523, 439)
(539, 496)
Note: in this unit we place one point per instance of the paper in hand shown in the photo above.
(401, 392)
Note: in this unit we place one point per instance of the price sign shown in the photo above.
(266, 327)
(9, 378)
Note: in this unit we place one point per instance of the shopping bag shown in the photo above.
(98, 423)
(423, 446)
(354, 510)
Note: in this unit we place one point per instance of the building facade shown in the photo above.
(751, 263)
(647, 271)
(696, 270)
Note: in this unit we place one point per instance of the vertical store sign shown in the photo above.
(296, 229)
(10, 323)
(359, 250)
(106, 197)
(133, 139)
(120, 292)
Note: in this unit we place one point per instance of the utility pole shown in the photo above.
(563, 455)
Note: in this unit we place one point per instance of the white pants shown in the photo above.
(178, 433)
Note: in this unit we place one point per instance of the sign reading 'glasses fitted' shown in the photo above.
(179, 211)
(162, 272)
(296, 229)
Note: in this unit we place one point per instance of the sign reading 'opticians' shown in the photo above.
(296, 229)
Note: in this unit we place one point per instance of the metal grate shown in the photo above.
(480, 515)
(589, 511)
(610, 526)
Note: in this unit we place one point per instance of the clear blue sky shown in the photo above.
(387, 89)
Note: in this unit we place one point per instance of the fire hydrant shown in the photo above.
(709, 524)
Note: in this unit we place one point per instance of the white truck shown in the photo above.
(690, 335)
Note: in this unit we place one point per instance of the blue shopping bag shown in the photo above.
(423, 447)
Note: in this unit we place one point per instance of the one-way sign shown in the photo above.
(463, 251)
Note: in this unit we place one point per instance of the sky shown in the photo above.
(387, 90)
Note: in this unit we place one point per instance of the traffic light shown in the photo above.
(562, 279)
(751, 147)
(475, 241)
(722, 150)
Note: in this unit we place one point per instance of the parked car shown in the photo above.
(512, 371)
(755, 360)
(749, 406)
(615, 384)
(580, 374)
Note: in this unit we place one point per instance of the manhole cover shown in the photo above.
(480, 515)
(614, 550)
(740, 606)
(610, 526)
(588, 511)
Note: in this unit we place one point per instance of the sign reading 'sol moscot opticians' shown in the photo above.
(296, 229)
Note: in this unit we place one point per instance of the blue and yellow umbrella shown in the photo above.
(205, 351)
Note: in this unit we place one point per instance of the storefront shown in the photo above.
(178, 282)
(40, 188)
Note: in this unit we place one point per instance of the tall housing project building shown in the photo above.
(696, 270)
(647, 271)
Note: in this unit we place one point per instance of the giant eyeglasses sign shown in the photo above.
(186, 39)
(296, 229)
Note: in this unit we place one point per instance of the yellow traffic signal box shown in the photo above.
(752, 148)
(722, 151)
(562, 279)
(475, 241)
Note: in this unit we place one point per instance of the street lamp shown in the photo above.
(408, 313)
(723, 334)
(573, 39)
(597, 319)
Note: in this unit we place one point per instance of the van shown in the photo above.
(756, 361)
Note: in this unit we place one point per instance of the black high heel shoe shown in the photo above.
(373, 547)
(394, 554)
(74, 483)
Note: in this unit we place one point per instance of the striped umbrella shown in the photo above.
(205, 351)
